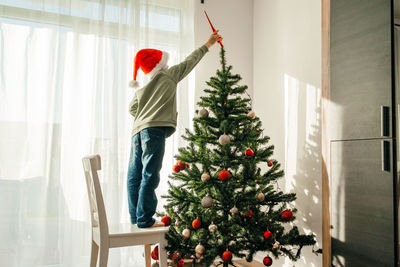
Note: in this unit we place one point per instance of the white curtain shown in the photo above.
(64, 72)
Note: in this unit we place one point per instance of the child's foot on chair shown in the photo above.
(158, 224)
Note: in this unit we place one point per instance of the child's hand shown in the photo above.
(215, 37)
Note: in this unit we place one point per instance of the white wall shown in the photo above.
(287, 82)
(233, 18)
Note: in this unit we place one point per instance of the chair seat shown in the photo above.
(127, 229)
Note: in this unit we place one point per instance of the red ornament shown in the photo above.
(176, 168)
(181, 164)
(224, 175)
(154, 254)
(248, 215)
(268, 235)
(196, 224)
(249, 153)
(166, 220)
(227, 255)
(180, 263)
(287, 215)
(270, 163)
(267, 261)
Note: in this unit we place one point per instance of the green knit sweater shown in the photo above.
(154, 105)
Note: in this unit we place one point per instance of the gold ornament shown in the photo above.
(234, 210)
(251, 115)
(224, 139)
(199, 249)
(212, 228)
(205, 177)
(186, 233)
(203, 113)
(260, 197)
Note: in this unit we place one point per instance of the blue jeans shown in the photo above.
(147, 152)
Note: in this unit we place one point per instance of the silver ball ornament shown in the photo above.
(199, 249)
(234, 210)
(224, 139)
(205, 177)
(186, 233)
(203, 113)
(251, 115)
(207, 202)
(260, 197)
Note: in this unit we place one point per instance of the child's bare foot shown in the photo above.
(157, 224)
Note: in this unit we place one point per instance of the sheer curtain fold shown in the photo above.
(64, 70)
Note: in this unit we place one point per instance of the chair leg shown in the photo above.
(103, 255)
(162, 253)
(94, 254)
(147, 255)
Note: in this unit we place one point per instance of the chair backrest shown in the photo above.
(91, 165)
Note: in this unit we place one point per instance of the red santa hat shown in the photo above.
(150, 61)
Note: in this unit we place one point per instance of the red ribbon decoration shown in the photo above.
(212, 27)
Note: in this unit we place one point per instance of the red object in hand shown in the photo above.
(166, 220)
(270, 163)
(176, 168)
(180, 263)
(287, 215)
(154, 254)
(268, 235)
(267, 261)
(248, 215)
(196, 224)
(181, 165)
(227, 255)
(224, 175)
(249, 153)
(212, 28)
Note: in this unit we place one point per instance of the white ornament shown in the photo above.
(203, 113)
(207, 202)
(220, 241)
(251, 115)
(234, 210)
(212, 228)
(232, 242)
(260, 197)
(224, 139)
(177, 223)
(199, 249)
(205, 177)
(186, 233)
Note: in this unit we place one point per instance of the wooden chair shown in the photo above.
(104, 236)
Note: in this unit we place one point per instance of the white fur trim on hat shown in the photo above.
(133, 84)
(163, 62)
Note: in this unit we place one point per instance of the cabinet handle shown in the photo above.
(385, 145)
(385, 121)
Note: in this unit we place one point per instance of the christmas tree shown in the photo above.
(223, 204)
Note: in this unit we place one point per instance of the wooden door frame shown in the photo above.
(326, 92)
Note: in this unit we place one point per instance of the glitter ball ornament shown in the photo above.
(267, 261)
(227, 255)
(251, 114)
(166, 220)
(186, 233)
(270, 163)
(203, 113)
(224, 175)
(207, 202)
(224, 139)
(260, 197)
(249, 153)
(234, 210)
(199, 249)
(212, 228)
(268, 235)
(154, 254)
(196, 224)
(176, 168)
(205, 177)
(287, 215)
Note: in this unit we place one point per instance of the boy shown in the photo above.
(154, 109)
